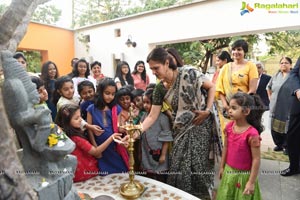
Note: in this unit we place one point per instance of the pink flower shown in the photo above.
(238, 185)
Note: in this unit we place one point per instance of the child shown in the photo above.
(81, 73)
(154, 143)
(105, 113)
(86, 91)
(64, 94)
(241, 153)
(124, 98)
(40, 86)
(69, 119)
(139, 111)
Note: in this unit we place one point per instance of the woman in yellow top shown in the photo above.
(239, 75)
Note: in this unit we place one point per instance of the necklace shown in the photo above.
(240, 129)
(169, 84)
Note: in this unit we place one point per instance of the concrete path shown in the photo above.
(273, 186)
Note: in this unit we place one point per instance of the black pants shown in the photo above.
(279, 139)
(293, 142)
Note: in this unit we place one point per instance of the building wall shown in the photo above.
(196, 21)
(54, 43)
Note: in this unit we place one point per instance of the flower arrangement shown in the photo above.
(56, 137)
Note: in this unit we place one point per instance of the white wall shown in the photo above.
(196, 21)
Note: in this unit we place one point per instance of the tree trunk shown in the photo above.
(13, 27)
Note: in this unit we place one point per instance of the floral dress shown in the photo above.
(191, 169)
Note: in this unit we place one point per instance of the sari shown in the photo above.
(230, 82)
(191, 168)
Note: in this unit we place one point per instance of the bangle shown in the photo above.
(209, 110)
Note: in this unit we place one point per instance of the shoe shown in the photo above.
(285, 152)
(277, 148)
(289, 172)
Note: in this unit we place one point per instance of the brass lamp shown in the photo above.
(133, 189)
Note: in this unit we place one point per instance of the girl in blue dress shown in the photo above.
(105, 113)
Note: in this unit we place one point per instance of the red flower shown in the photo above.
(238, 185)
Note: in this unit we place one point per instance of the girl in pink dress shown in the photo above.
(241, 152)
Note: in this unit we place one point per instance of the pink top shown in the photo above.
(139, 83)
(239, 147)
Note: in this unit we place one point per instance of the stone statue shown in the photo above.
(49, 169)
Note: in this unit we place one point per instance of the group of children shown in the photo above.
(93, 124)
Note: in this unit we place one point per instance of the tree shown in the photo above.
(95, 11)
(284, 43)
(13, 26)
(47, 14)
(199, 53)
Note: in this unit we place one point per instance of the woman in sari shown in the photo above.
(237, 76)
(279, 92)
(191, 169)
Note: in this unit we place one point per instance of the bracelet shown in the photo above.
(209, 110)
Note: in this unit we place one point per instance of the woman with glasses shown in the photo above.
(140, 78)
(279, 92)
(123, 75)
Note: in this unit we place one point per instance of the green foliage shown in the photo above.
(34, 59)
(199, 53)
(94, 11)
(285, 43)
(47, 14)
(155, 4)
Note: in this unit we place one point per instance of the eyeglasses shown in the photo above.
(258, 67)
(22, 62)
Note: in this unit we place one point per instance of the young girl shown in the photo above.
(241, 152)
(86, 91)
(69, 119)
(40, 86)
(124, 99)
(123, 75)
(140, 78)
(105, 113)
(154, 143)
(49, 75)
(81, 73)
(64, 94)
(137, 96)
